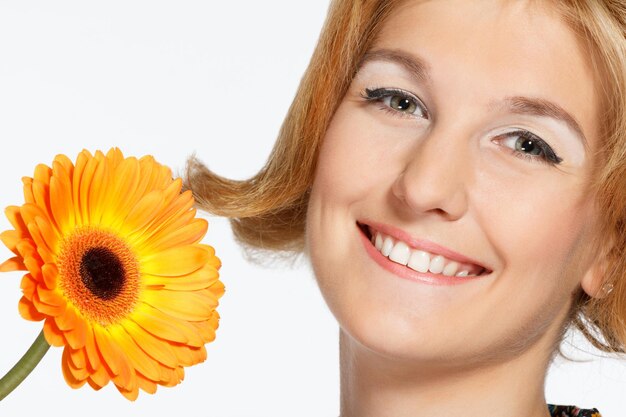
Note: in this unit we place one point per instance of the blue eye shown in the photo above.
(398, 101)
(529, 146)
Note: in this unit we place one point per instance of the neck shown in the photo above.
(377, 386)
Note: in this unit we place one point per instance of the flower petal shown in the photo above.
(175, 261)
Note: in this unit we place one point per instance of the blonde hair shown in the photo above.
(267, 212)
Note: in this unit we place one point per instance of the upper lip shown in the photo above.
(422, 244)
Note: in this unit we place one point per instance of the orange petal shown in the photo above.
(116, 360)
(217, 289)
(78, 358)
(11, 238)
(81, 163)
(187, 235)
(49, 233)
(98, 192)
(143, 212)
(175, 261)
(28, 311)
(13, 264)
(77, 336)
(50, 275)
(159, 324)
(53, 335)
(67, 320)
(50, 297)
(27, 188)
(128, 394)
(85, 188)
(43, 173)
(93, 356)
(75, 378)
(47, 309)
(61, 202)
(99, 378)
(138, 358)
(123, 187)
(206, 329)
(42, 247)
(41, 193)
(158, 349)
(14, 215)
(146, 384)
(28, 285)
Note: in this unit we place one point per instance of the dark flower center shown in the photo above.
(102, 273)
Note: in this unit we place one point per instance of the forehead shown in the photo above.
(484, 50)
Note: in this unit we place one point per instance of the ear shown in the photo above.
(594, 281)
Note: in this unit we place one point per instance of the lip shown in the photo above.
(410, 274)
(422, 244)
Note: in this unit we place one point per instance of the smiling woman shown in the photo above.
(446, 165)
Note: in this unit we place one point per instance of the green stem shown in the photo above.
(24, 366)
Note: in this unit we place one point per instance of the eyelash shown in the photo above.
(379, 94)
(547, 156)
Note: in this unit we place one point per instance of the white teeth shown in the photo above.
(387, 246)
(450, 269)
(379, 241)
(436, 264)
(400, 253)
(419, 261)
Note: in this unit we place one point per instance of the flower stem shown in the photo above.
(24, 366)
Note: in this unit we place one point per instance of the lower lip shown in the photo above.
(408, 273)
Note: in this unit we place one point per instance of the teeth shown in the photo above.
(379, 241)
(387, 246)
(436, 264)
(450, 269)
(400, 253)
(418, 260)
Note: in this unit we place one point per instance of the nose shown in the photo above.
(435, 178)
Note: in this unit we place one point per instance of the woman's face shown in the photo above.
(466, 139)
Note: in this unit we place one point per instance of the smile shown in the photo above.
(418, 260)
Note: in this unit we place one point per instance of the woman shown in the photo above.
(455, 173)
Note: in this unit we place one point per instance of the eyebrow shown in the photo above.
(420, 70)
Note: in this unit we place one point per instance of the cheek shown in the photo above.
(538, 228)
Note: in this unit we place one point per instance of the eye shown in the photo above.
(397, 101)
(527, 145)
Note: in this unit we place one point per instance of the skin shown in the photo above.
(482, 347)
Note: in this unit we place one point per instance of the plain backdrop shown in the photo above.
(170, 79)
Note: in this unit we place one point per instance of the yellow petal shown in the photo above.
(190, 305)
(197, 280)
(175, 261)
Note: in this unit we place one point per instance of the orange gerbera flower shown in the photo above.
(116, 270)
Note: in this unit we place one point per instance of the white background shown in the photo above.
(170, 79)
